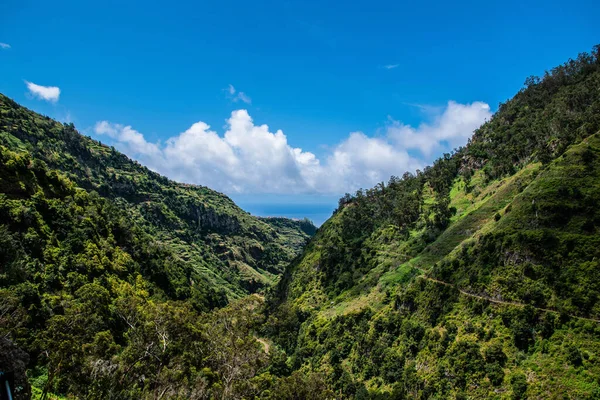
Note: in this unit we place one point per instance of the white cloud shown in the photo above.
(391, 66)
(236, 96)
(4, 45)
(131, 140)
(250, 158)
(243, 97)
(361, 162)
(452, 128)
(48, 93)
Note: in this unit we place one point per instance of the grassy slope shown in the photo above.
(545, 246)
(393, 266)
(515, 268)
(546, 362)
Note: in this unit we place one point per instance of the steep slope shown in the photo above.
(235, 251)
(116, 281)
(477, 277)
(104, 310)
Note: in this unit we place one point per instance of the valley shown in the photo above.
(477, 277)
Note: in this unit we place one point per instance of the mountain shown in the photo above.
(477, 277)
(234, 251)
(92, 243)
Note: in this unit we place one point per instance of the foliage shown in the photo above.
(109, 272)
(476, 277)
(230, 248)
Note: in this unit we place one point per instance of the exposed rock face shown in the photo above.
(13, 359)
(211, 220)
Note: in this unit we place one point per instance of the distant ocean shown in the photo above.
(318, 212)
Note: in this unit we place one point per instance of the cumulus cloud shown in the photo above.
(236, 96)
(131, 140)
(361, 161)
(452, 128)
(247, 158)
(48, 93)
(251, 158)
(4, 45)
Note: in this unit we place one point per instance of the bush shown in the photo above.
(518, 383)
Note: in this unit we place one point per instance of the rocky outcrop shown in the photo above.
(211, 220)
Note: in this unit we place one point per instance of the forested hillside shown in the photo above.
(477, 277)
(236, 252)
(105, 266)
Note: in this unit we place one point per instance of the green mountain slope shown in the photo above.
(233, 250)
(109, 271)
(475, 278)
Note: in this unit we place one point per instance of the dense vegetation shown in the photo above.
(235, 251)
(477, 277)
(106, 268)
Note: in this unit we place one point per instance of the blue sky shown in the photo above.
(364, 89)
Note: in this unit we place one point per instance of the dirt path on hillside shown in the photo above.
(492, 300)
